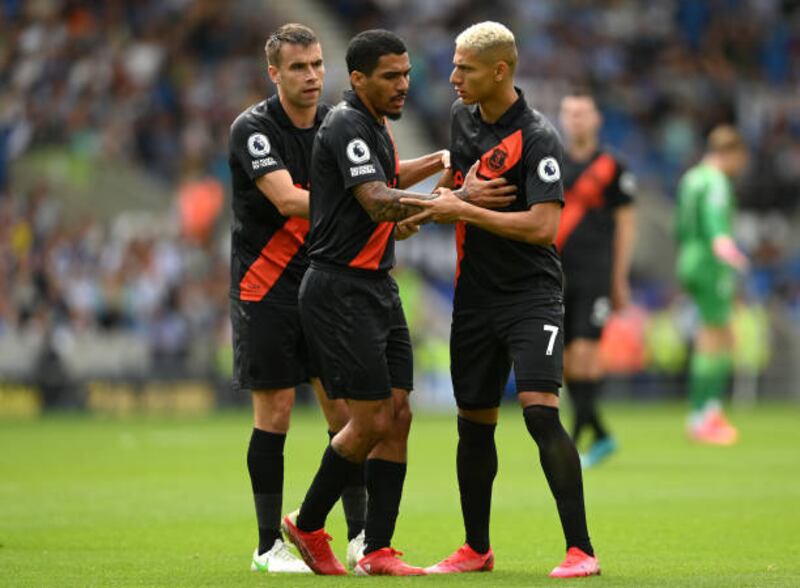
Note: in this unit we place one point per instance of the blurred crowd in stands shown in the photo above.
(157, 83)
(150, 280)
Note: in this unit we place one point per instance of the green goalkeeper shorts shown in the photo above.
(712, 286)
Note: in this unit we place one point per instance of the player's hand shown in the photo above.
(405, 229)
(725, 249)
(496, 193)
(445, 208)
(620, 295)
(415, 220)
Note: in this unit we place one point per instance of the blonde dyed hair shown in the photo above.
(490, 36)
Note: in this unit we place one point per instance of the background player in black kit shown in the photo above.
(595, 240)
(350, 305)
(508, 300)
(270, 154)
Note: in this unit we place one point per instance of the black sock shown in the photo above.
(581, 412)
(265, 464)
(333, 473)
(476, 464)
(562, 468)
(384, 490)
(584, 394)
(354, 501)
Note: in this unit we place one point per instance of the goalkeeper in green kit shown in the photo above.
(708, 260)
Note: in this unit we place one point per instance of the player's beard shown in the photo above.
(394, 115)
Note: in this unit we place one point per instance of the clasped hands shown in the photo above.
(447, 205)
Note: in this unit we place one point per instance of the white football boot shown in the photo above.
(355, 550)
(278, 560)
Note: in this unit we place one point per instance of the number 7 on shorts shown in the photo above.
(553, 330)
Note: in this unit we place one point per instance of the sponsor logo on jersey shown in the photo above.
(548, 170)
(357, 151)
(258, 145)
(362, 170)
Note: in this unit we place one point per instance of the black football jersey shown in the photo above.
(268, 252)
(523, 147)
(593, 189)
(351, 148)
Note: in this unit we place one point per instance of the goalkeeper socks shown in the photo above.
(476, 464)
(265, 464)
(584, 394)
(709, 374)
(562, 468)
(331, 478)
(384, 489)
(354, 501)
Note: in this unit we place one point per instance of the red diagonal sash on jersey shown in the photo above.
(586, 193)
(502, 157)
(273, 259)
(371, 254)
(461, 233)
(494, 163)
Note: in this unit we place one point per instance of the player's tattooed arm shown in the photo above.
(537, 225)
(383, 203)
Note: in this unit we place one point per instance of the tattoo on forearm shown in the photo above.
(383, 203)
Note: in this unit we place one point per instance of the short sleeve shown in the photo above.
(623, 189)
(543, 158)
(352, 145)
(256, 147)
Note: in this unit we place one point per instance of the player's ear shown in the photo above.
(274, 74)
(357, 79)
(501, 71)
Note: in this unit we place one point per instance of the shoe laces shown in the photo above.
(319, 539)
(283, 553)
(455, 556)
(391, 552)
(574, 556)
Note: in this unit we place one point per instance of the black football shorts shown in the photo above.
(587, 307)
(486, 342)
(357, 333)
(269, 349)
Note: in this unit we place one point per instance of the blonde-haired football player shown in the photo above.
(508, 303)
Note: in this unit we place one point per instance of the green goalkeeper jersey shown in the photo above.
(705, 211)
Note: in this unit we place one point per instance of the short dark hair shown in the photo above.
(367, 47)
(292, 33)
(580, 90)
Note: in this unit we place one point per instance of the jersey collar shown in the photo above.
(509, 117)
(353, 100)
(275, 108)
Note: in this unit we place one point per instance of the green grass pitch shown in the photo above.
(86, 501)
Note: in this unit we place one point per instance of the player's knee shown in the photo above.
(383, 424)
(337, 415)
(377, 426)
(402, 419)
(281, 406)
(541, 420)
(273, 410)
